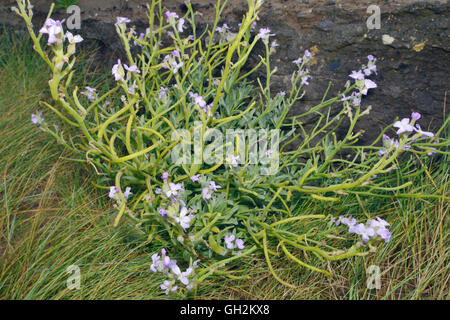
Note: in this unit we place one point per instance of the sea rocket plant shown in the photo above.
(222, 212)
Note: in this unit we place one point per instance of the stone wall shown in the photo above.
(413, 69)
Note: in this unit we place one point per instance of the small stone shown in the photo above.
(387, 39)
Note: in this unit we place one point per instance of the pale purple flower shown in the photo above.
(158, 191)
(121, 20)
(431, 152)
(133, 68)
(370, 68)
(415, 116)
(53, 29)
(206, 194)
(298, 61)
(404, 126)
(305, 79)
(345, 221)
(207, 109)
(127, 192)
(344, 98)
(423, 133)
(174, 188)
(184, 219)
(234, 160)
(170, 62)
(156, 261)
(73, 39)
(117, 70)
(384, 233)
(167, 262)
(355, 98)
(171, 16)
(357, 75)
(180, 25)
(167, 286)
(141, 38)
(371, 57)
(113, 191)
(274, 44)
(198, 100)
(182, 276)
(37, 118)
(163, 212)
(308, 54)
(132, 89)
(229, 241)
(368, 84)
(213, 186)
(176, 53)
(176, 65)
(378, 223)
(90, 93)
(264, 33)
(240, 244)
(160, 263)
(195, 177)
(165, 176)
(222, 29)
(162, 92)
(361, 230)
(388, 142)
(348, 222)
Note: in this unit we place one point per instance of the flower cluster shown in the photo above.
(232, 242)
(90, 93)
(233, 160)
(114, 193)
(199, 101)
(303, 73)
(264, 34)
(208, 190)
(173, 206)
(363, 84)
(118, 70)
(172, 20)
(37, 118)
(372, 229)
(54, 30)
(224, 29)
(173, 61)
(405, 126)
(162, 263)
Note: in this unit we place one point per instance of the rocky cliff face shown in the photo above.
(413, 59)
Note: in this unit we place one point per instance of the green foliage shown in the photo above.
(65, 3)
